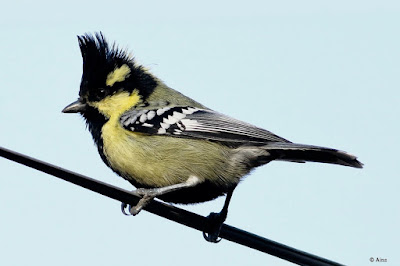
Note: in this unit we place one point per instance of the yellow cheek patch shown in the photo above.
(119, 74)
(115, 105)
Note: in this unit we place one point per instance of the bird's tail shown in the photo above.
(308, 153)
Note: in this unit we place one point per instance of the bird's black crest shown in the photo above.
(99, 59)
(97, 52)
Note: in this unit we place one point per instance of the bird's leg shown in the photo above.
(148, 194)
(215, 221)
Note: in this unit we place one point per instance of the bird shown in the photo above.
(167, 145)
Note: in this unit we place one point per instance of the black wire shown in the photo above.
(170, 212)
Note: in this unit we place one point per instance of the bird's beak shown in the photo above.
(75, 107)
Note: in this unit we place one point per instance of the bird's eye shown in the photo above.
(101, 93)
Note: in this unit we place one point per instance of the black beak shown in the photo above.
(75, 107)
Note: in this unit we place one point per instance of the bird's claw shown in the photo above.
(211, 237)
(147, 197)
(215, 221)
(132, 210)
(123, 208)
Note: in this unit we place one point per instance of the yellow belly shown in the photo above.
(157, 161)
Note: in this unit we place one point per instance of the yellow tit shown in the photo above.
(168, 145)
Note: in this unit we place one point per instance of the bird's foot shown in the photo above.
(147, 195)
(214, 225)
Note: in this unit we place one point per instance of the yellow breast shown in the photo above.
(157, 161)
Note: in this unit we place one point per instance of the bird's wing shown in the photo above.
(191, 122)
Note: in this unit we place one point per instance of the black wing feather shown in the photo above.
(196, 123)
(190, 122)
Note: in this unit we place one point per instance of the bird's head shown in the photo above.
(111, 81)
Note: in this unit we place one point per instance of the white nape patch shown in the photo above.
(143, 118)
(151, 115)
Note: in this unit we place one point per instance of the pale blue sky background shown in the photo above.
(315, 72)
